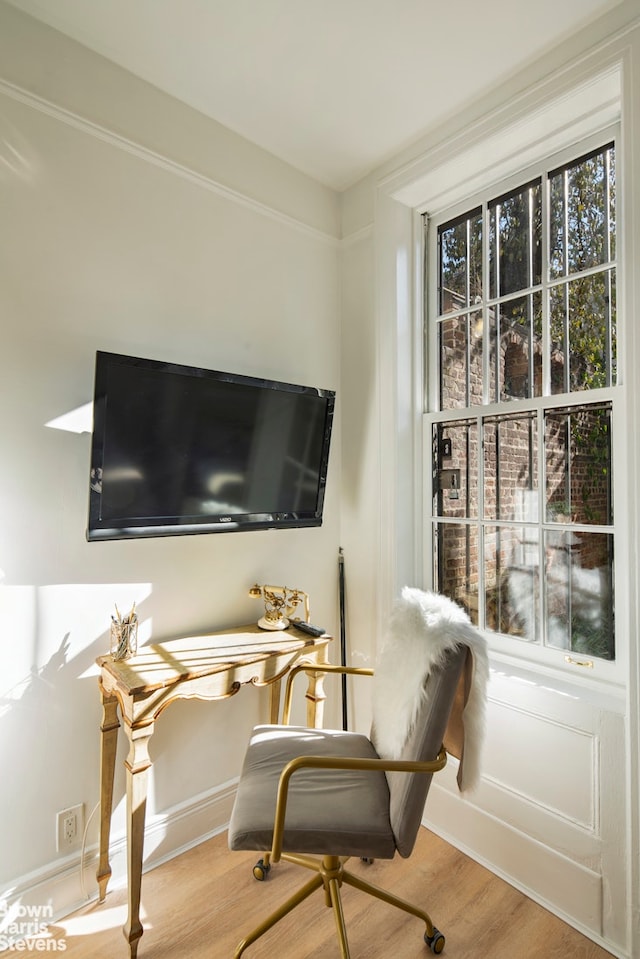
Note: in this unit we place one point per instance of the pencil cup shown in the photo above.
(124, 639)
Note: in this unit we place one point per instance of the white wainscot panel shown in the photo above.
(550, 811)
(542, 760)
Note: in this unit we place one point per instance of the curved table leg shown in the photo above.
(315, 695)
(108, 745)
(274, 701)
(137, 767)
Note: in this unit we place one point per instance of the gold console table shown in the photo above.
(202, 667)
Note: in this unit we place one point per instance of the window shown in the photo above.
(524, 330)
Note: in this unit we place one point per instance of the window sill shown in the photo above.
(600, 685)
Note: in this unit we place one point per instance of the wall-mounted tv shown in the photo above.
(178, 449)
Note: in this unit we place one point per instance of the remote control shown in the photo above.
(307, 628)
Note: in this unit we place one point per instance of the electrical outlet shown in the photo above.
(69, 827)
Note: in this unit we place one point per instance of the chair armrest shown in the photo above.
(340, 762)
(315, 668)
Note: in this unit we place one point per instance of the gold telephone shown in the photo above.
(280, 602)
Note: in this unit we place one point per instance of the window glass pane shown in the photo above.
(557, 226)
(610, 281)
(493, 252)
(461, 369)
(460, 250)
(581, 207)
(534, 304)
(587, 215)
(495, 355)
(578, 466)
(558, 315)
(519, 331)
(579, 592)
(583, 312)
(475, 258)
(582, 214)
(453, 363)
(456, 451)
(589, 310)
(456, 564)
(610, 160)
(512, 579)
(453, 267)
(557, 460)
(476, 372)
(515, 247)
(510, 482)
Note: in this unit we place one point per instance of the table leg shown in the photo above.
(274, 702)
(137, 769)
(108, 745)
(315, 694)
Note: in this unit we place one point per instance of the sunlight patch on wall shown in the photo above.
(79, 420)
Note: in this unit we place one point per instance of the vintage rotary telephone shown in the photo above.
(280, 602)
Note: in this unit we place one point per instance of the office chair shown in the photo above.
(336, 794)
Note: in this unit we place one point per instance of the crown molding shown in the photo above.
(127, 145)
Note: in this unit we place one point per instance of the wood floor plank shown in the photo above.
(200, 904)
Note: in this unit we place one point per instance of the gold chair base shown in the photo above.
(330, 875)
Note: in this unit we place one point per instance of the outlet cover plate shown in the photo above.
(69, 827)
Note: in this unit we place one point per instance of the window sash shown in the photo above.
(490, 537)
(535, 391)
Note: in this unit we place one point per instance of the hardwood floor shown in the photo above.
(199, 905)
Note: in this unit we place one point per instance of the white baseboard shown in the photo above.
(564, 887)
(61, 887)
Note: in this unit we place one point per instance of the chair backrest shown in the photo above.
(408, 791)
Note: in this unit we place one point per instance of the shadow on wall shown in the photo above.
(37, 684)
(50, 637)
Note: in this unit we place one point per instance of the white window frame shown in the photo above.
(508, 647)
(512, 648)
(566, 107)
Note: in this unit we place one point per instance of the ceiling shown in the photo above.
(333, 87)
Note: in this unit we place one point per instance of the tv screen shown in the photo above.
(178, 449)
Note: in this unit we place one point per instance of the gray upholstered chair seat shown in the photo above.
(351, 806)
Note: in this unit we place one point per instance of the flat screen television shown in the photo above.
(177, 449)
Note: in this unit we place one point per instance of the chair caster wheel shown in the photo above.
(261, 870)
(367, 860)
(435, 942)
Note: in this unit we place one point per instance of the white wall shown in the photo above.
(131, 224)
(556, 813)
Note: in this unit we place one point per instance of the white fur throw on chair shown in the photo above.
(423, 626)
